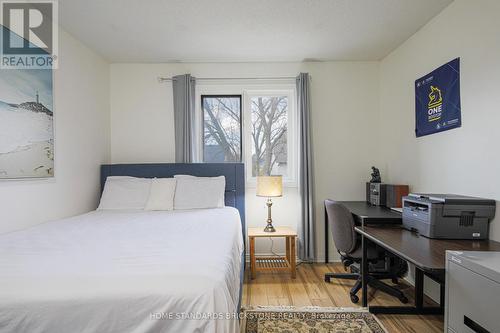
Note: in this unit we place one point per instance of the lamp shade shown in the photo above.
(269, 186)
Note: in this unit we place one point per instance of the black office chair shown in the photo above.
(381, 265)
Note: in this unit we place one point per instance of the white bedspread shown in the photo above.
(123, 272)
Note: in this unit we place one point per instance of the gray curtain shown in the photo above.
(306, 228)
(184, 117)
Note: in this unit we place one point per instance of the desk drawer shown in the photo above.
(472, 301)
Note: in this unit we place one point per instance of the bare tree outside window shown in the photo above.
(269, 135)
(222, 128)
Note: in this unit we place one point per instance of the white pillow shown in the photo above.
(161, 196)
(199, 192)
(122, 192)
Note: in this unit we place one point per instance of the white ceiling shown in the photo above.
(245, 30)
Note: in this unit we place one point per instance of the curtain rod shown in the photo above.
(163, 79)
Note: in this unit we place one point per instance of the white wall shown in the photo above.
(81, 123)
(345, 103)
(465, 160)
(345, 137)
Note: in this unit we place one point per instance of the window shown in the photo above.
(249, 123)
(221, 128)
(269, 116)
(270, 134)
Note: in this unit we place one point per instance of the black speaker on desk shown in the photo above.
(376, 193)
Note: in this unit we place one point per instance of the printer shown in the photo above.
(448, 216)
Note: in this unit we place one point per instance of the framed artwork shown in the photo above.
(26, 123)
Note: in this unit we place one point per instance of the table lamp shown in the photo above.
(269, 186)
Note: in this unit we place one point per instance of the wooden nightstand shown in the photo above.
(286, 263)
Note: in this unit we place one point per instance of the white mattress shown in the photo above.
(123, 272)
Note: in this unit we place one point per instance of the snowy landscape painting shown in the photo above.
(26, 123)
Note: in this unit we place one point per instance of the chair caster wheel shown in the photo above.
(354, 299)
(403, 299)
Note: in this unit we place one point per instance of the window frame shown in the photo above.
(290, 180)
(245, 88)
(203, 96)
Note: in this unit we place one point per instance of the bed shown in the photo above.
(129, 271)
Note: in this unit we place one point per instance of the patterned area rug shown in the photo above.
(268, 319)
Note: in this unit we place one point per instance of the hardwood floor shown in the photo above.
(309, 288)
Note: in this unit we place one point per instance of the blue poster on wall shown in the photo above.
(437, 100)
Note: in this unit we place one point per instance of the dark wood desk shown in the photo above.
(428, 256)
(363, 214)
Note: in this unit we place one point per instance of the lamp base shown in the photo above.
(269, 228)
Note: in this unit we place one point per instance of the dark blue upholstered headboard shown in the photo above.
(234, 173)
